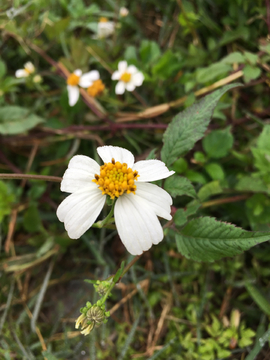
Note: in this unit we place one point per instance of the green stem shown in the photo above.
(108, 219)
(123, 273)
(30, 177)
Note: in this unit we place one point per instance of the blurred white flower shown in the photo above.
(138, 203)
(37, 79)
(123, 12)
(105, 28)
(28, 69)
(75, 80)
(129, 77)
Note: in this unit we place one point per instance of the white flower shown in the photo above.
(28, 69)
(105, 28)
(75, 80)
(138, 203)
(37, 79)
(123, 12)
(129, 77)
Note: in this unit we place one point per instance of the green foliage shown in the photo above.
(16, 120)
(189, 126)
(218, 143)
(6, 199)
(222, 172)
(177, 185)
(205, 239)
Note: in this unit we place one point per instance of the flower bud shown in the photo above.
(92, 315)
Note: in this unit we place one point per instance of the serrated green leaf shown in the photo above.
(206, 239)
(180, 217)
(15, 120)
(178, 185)
(258, 297)
(189, 126)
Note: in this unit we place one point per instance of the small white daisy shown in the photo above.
(75, 80)
(105, 28)
(129, 77)
(138, 203)
(123, 12)
(28, 70)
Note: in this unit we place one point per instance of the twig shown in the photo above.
(224, 201)
(30, 177)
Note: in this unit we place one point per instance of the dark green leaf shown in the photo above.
(180, 217)
(178, 185)
(205, 239)
(189, 126)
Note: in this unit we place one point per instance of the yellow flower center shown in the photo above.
(103, 19)
(73, 79)
(125, 77)
(115, 179)
(96, 88)
(28, 71)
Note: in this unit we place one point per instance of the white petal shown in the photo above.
(120, 88)
(152, 170)
(122, 66)
(105, 29)
(130, 86)
(30, 67)
(78, 72)
(21, 73)
(73, 94)
(87, 79)
(116, 75)
(132, 69)
(138, 78)
(159, 200)
(80, 209)
(80, 172)
(137, 224)
(119, 154)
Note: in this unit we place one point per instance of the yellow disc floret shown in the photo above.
(125, 77)
(115, 179)
(103, 19)
(96, 88)
(73, 79)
